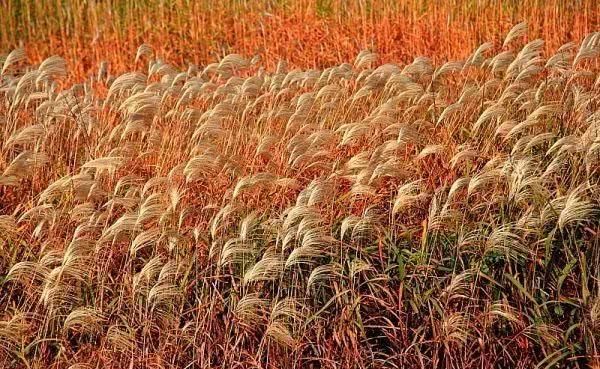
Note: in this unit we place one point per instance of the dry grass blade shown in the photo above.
(14, 57)
(517, 31)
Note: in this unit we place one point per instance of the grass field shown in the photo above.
(301, 184)
(306, 33)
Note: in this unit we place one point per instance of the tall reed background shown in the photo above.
(299, 184)
(306, 33)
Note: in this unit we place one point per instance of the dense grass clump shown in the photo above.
(360, 216)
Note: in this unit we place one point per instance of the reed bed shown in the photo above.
(305, 33)
(364, 215)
